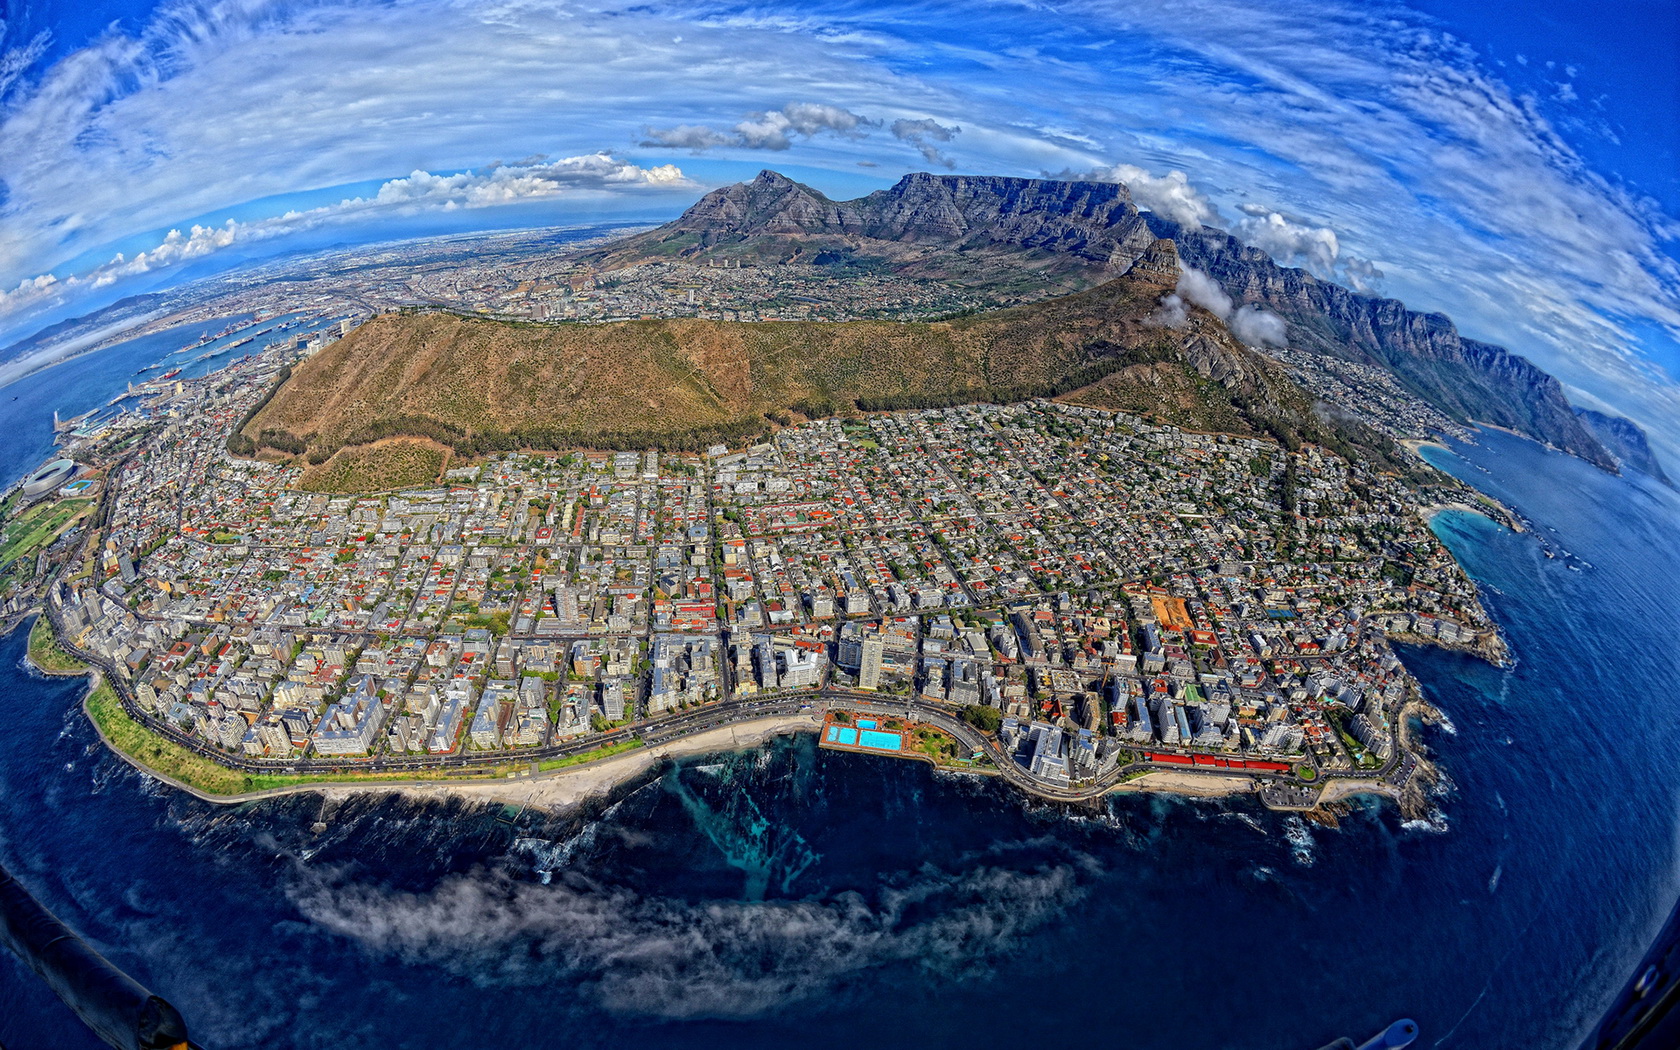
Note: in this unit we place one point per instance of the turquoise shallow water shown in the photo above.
(794, 894)
(877, 739)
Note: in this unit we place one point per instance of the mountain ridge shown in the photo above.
(477, 385)
(1057, 235)
(1626, 441)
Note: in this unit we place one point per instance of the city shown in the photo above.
(1071, 596)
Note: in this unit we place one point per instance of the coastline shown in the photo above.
(567, 787)
(556, 790)
(1413, 445)
(1195, 785)
(1345, 788)
(563, 789)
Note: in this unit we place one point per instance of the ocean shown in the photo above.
(789, 894)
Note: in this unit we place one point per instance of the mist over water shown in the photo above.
(789, 893)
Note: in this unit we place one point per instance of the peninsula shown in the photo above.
(1081, 535)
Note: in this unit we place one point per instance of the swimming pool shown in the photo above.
(865, 723)
(883, 741)
(842, 735)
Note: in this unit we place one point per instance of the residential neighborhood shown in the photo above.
(1110, 588)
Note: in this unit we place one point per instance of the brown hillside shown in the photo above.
(480, 385)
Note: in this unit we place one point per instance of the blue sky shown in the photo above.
(1512, 165)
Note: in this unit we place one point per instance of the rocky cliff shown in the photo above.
(1626, 441)
(1469, 380)
(1050, 235)
(974, 230)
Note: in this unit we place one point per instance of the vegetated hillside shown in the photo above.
(478, 385)
(1039, 236)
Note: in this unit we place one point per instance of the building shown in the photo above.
(351, 725)
(869, 663)
(799, 668)
(455, 700)
(1046, 753)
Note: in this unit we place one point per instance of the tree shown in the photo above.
(986, 719)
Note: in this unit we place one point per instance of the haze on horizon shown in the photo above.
(1512, 177)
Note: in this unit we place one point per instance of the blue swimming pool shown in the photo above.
(864, 723)
(884, 741)
(842, 735)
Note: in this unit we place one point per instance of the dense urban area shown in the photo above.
(1081, 594)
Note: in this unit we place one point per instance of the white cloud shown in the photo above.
(1288, 241)
(16, 61)
(923, 134)
(176, 248)
(506, 184)
(29, 291)
(667, 958)
(1172, 312)
(772, 130)
(1170, 196)
(1295, 242)
(592, 174)
(1258, 327)
(1252, 324)
(1197, 287)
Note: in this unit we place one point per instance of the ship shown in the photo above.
(220, 350)
(171, 374)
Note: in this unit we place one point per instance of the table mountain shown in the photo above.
(1037, 236)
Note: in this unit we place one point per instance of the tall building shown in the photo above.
(869, 668)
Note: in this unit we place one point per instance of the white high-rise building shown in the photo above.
(869, 669)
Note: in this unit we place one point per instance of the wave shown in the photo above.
(1434, 822)
(548, 856)
(1300, 840)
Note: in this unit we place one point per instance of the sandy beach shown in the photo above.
(1429, 510)
(1414, 444)
(565, 788)
(1194, 784)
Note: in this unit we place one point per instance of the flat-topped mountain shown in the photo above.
(477, 385)
(990, 231)
(1044, 235)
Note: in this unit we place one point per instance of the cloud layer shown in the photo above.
(582, 177)
(667, 958)
(774, 130)
(924, 134)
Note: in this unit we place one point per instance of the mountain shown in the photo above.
(1626, 441)
(1011, 235)
(1470, 381)
(361, 411)
(129, 309)
(1034, 236)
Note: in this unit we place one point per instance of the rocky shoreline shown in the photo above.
(1488, 645)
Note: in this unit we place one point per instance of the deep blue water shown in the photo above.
(790, 894)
